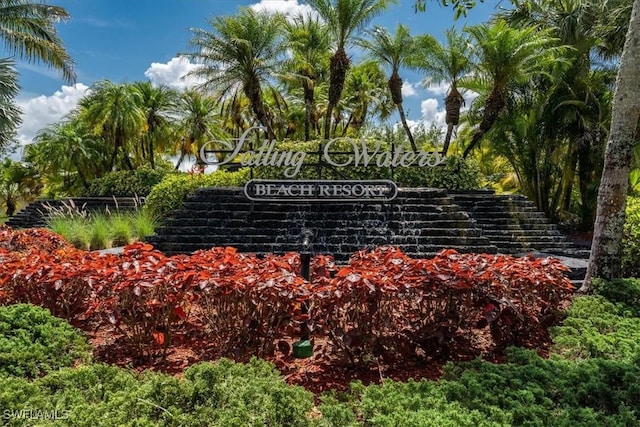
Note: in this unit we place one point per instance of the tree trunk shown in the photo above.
(395, 87)
(606, 248)
(308, 111)
(568, 175)
(11, 206)
(453, 103)
(492, 108)
(253, 91)
(152, 159)
(337, 74)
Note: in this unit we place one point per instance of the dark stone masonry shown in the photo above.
(421, 222)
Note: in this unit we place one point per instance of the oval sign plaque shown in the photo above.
(265, 190)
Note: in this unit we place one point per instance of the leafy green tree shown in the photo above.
(309, 41)
(28, 30)
(364, 96)
(197, 124)
(394, 51)
(115, 112)
(158, 104)
(503, 56)
(581, 100)
(344, 18)
(18, 182)
(242, 50)
(69, 151)
(446, 64)
(10, 114)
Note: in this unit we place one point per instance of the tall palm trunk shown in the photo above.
(492, 108)
(395, 87)
(568, 175)
(253, 91)
(338, 68)
(453, 103)
(604, 261)
(309, 99)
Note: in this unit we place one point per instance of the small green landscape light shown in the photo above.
(302, 349)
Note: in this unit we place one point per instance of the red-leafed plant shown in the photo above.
(65, 281)
(250, 303)
(383, 303)
(150, 293)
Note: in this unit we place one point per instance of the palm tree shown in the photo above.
(115, 112)
(10, 114)
(68, 150)
(29, 33)
(446, 64)
(197, 116)
(309, 42)
(242, 50)
(394, 51)
(344, 18)
(364, 95)
(18, 181)
(581, 99)
(158, 103)
(503, 56)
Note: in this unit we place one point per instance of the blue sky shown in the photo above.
(131, 40)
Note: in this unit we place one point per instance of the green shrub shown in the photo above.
(527, 390)
(120, 230)
(456, 174)
(171, 192)
(142, 224)
(138, 182)
(631, 239)
(595, 327)
(220, 394)
(233, 394)
(33, 342)
(73, 229)
(539, 392)
(621, 291)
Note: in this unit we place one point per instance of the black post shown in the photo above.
(305, 266)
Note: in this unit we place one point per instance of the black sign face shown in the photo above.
(320, 191)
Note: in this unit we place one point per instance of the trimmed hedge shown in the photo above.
(138, 182)
(170, 194)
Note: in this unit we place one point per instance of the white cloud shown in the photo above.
(438, 88)
(431, 113)
(173, 73)
(40, 111)
(286, 7)
(408, 90)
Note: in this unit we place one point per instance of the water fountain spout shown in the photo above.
(306, 238)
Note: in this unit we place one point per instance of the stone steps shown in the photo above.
(513, 223)
(420, 221)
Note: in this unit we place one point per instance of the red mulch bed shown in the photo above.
(319, 373)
